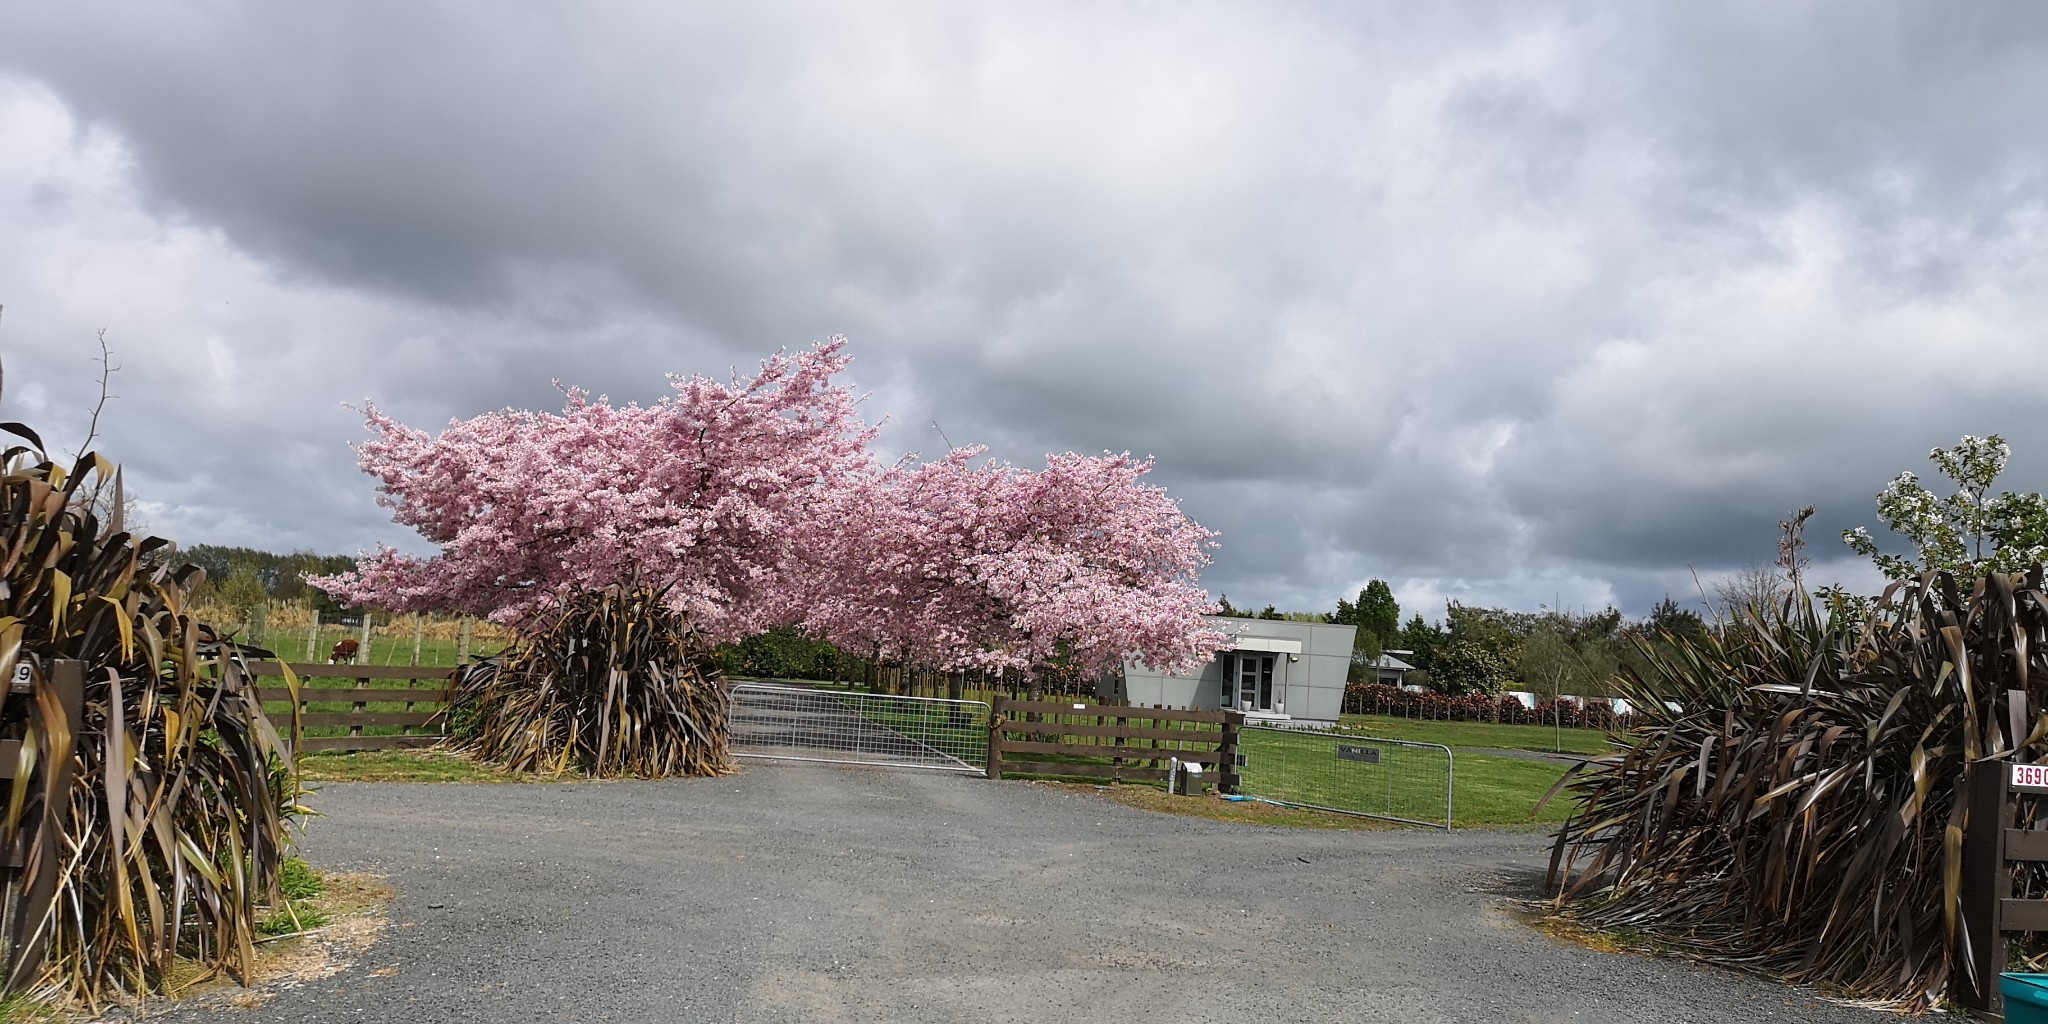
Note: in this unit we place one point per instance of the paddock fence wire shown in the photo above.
(1393, 780)
(800, 723)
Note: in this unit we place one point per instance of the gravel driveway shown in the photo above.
(808, 893)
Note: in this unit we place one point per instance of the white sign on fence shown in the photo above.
(2030, 776)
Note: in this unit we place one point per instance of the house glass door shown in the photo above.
(1254, 682)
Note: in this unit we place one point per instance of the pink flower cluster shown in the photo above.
(964, 563)
(758, 504)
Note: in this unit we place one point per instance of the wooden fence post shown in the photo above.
(1229, 778)
(313, 637)
(360, 707)
(1986, 883)
(996, 716)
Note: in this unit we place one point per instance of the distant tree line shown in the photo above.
(239, 577)
(1477, 650)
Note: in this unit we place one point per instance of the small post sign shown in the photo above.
(2029, 777)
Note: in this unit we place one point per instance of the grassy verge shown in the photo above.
(1489, 792)
(1154, 798)
(404, 766)
(385, 649)
(1478, 734)
(325, 921)
(23, 1010)
(328, 919)
(1496, 791)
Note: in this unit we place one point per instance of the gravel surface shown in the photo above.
(808, 893)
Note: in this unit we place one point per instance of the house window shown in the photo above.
(1248, 681)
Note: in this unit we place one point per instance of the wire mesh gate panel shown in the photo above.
(1374, 778)
(798, 723)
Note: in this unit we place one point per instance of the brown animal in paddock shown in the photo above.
(344, 653)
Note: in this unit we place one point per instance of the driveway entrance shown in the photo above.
(801, 723)
(875, 896)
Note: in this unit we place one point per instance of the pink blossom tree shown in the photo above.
(955, 564)
(755, 503)
(702, 493)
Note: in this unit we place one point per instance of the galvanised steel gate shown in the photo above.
(1375, 778)
(799, 723)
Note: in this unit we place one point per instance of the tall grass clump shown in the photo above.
(1802, 815)
(612, 682)
(173, 828)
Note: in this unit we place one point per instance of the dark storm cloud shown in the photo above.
(1506, 302)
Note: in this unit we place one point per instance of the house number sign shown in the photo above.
(2030, 776)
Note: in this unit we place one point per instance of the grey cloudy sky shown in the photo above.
(1518, 302)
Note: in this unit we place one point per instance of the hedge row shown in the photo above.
(1380, 699)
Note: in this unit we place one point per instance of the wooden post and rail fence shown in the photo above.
(418, 713)
(1115, 742)
(1995, 849)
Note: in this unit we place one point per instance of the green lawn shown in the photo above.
(1503, 791)
(1478, 734)
(1404, 783)
(403, 766)
(385, 648)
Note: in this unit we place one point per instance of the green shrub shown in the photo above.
(1794, 818)
(174, 828)
(614, 683)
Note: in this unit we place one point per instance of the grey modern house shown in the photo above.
(1272, 670)
(1388, 670)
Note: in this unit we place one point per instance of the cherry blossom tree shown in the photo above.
(702, 493)
(755, 503)
(962, 563)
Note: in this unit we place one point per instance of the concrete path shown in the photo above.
(811, 893)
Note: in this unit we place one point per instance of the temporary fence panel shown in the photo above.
(1394, 780)
(361, 707)
(1110, 741)
(800, 723)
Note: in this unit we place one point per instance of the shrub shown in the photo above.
(1379, 699)
(612, 683)
(1795, 819)
(174, 827)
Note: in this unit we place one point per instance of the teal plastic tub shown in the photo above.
(2026, 998)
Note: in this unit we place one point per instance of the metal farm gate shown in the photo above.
(1375, 778)
(799, 723)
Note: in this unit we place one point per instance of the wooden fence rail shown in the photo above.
(417, 712)
(1997, 846)
(1106, 741)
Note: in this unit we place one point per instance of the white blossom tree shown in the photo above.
(1967, 533)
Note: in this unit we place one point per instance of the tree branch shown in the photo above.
(107, 371)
